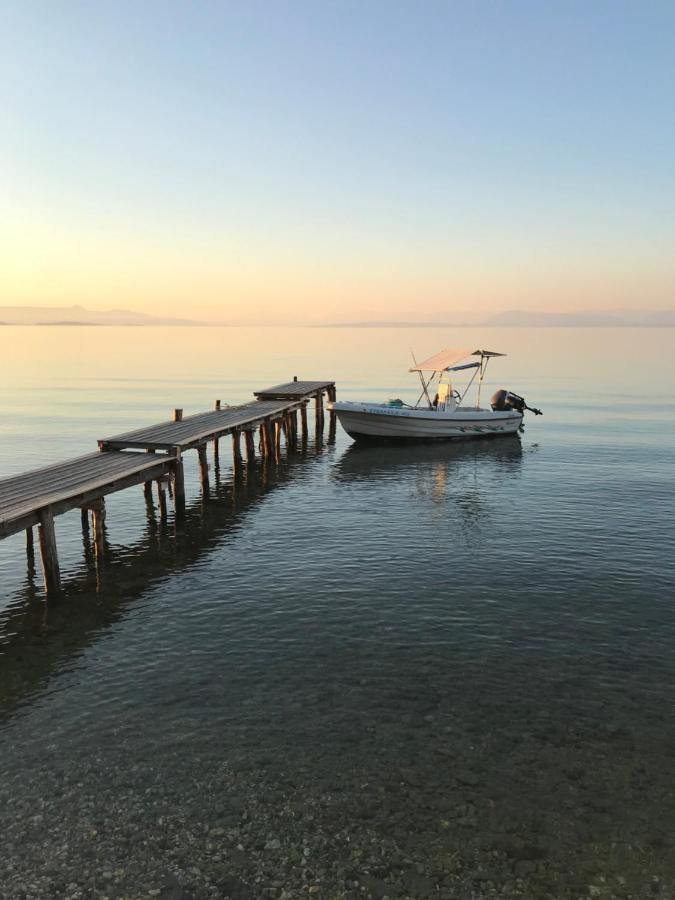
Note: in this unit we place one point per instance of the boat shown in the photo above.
(448, 416)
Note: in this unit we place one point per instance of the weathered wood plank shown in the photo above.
(93, 482)
(29, 484)
(42, 482)
(46, 493)
(294, 389)
(193, 430)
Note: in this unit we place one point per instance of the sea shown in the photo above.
(382, 671)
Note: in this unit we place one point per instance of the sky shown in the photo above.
(337, 161)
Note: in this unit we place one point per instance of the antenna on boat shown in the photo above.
(485, 356)
(484, 360)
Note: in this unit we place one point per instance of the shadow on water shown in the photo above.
(38, 639)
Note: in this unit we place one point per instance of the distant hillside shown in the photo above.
(517, 318)
(663, 318)
(390, 324)
(523, 319)
(78, 315)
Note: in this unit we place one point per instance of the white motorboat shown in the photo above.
(445, 417)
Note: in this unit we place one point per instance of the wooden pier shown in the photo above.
(36, 497)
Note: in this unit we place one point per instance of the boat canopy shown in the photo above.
(445, 359)
(441, 361)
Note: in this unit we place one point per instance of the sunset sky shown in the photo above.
(293, 161)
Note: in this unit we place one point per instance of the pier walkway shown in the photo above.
(191, 431)
(34, 498)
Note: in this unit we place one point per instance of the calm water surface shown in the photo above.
(365, 672)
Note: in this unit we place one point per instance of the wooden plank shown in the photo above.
(190, 424)
(22, 518)
(27, 485)
(73, 488)
(193, 430)
(40, 482)
(25, 515)
(45, 493)
(293, 389)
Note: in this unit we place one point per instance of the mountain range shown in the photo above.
(615, 319)
(513, 318)
(517, 318)
(78, 315)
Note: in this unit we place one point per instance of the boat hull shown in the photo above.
(368, 422)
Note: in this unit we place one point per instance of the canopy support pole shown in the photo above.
(425, 387)
(484, 360)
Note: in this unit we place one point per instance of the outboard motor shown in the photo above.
(503, 400)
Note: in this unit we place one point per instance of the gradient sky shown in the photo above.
(292, 161)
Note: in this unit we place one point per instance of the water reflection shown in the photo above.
(38, 639)
(372, 461)
(451, 478)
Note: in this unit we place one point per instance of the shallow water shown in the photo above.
(418, 671)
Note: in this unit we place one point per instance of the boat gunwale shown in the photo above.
(459, 414)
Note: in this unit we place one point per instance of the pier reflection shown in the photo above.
(39, 639)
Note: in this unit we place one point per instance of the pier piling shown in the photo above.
(216, 457)
(97, 508)
(161, 499)
(48, 552)
(250, 446)
(203, 468)
(178, 484)
(30, 545)
(236, 450)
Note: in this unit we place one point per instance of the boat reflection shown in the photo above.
(368, 461)
(463, 476)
